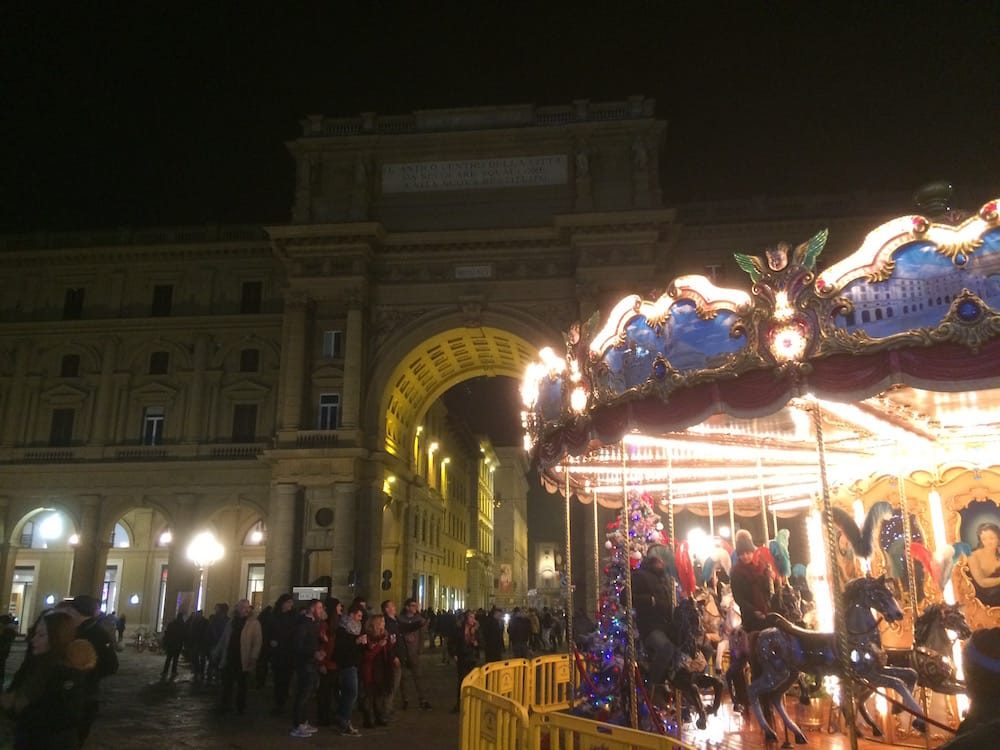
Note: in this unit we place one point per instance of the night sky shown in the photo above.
(179, 116)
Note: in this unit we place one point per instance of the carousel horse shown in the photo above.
(783, 651)
(691, 678)
(711, 622)
(929, 656)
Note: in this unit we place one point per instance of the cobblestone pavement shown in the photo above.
(140, 712)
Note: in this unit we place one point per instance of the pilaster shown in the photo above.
(281, 514)
(293, 353)
(353, 367)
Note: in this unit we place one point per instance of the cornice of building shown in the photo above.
(459, 119)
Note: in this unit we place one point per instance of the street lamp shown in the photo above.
(204, 551)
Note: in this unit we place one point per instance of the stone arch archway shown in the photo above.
(430, 356)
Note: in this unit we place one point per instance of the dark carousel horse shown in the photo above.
(929, 658)
(692, 680)
(783, 651)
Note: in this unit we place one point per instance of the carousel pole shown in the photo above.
(836, 584)
(678, 698)
(630, 655)
(568, 560)
(763, 500)
(711, 517)
(597, 559)
(732, 514)
(912, 579)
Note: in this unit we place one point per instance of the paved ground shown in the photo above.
(142, 713)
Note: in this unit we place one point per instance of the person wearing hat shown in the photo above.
(981, 662)
(83, 610)
(654, 611)
(751, 582)
(750, 579)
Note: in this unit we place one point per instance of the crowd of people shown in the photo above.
(327, 661)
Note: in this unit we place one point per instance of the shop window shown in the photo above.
(250, 360)
(329, 411)
(163, 295)
(244, 423)
(159, 363)
(153, 420)
(61, 429)
(251, 296)
(70, 366)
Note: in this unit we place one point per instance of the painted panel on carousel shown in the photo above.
(691, 328)
(980, 529)
(903, 279)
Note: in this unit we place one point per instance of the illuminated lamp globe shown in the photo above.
(578, 400)
(51, 528)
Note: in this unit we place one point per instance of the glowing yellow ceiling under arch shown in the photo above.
(440, 362)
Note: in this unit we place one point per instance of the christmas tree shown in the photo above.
(605, 686)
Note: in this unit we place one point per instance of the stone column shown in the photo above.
(101, 427)
(368, 556)
(194, 425)
(182, 575)
(8, 556)
(353, 368)
(346, 533)
(292, 377)
(282, 511)
(12, 418)
(88, 570)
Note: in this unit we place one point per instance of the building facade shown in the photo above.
(276, 386)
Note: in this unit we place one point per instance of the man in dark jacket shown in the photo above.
(173, 643)
(278, 634)
(216, 626)
(492, 635)
(519, 633)
(83, 609)
(306, 657)
(654, 610)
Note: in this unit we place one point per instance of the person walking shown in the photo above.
(412, 625)
(492, 635)
(519, 634)
(307, 656)
(237, 653)
(173, 643)
(83, 610)
(120, 628)
(197, 628)
(465, 648)
(49, 702)
(216, 625)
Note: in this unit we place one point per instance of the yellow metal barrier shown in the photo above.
(516, 705)
(510, 679)
(553, 682)
(558, 731)
(492, 722)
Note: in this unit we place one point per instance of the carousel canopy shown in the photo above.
(712, 393)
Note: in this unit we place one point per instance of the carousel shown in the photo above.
(858, 404)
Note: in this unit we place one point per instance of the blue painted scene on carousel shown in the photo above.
(923, 283)
(686, 341)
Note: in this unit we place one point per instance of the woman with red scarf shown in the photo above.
(376, 672)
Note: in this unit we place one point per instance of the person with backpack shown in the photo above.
(173, 643)
(82, 609)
